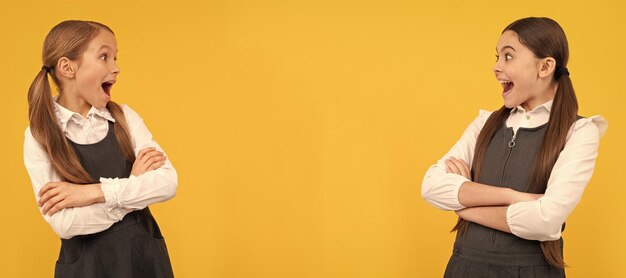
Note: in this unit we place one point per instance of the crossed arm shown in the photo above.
(484, 204)
(447, 185)
(55, 196)
(88, 209)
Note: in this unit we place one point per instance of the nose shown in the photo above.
(497, 68)
(116, 69)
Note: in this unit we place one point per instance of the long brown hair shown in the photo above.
(67, 39)
(545, 38)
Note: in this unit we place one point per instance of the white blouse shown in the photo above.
(534, 220)
(122, 195)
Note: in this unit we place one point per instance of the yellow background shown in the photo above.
(301, 130)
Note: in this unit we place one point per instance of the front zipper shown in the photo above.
(511, 146)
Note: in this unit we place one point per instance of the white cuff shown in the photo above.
(460, 180)
(525, 221)
(112, 203)
(446, 195)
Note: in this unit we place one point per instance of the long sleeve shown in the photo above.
(542, 219)
(67, 222)
(136, 192)
(441, 189)
(122, 195)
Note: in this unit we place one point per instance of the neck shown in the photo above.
(75, 104)
(548, 93)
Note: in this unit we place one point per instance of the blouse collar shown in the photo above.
(64, 115)
(545, 107)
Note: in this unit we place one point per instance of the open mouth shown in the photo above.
(506, 86)
(106, 86)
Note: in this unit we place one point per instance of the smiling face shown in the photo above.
(94, 75)
(518, 71)
(98, 70)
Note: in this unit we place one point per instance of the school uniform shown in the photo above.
(119, 238)
(485, 252)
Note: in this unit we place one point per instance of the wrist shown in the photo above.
(510, 196)
(99, 194)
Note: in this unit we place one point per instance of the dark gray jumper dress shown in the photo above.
(484, 252)
(133, 247)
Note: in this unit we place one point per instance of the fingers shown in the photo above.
(458, 167)
(148, 159)
(48, 186)
(67, 195)
(466, 166)
(52, 203)
(143, 152)
(460, 164)
(157, 156)
(156, 165)
(56, 208)
(151, 157)
(451, 167)
(48, 191)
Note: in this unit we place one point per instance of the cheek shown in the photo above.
(86, 81)
(523, 75)
(530, 71)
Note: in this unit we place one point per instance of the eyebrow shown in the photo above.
(105, 46)
(505, 47)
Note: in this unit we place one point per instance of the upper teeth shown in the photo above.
(504, 81)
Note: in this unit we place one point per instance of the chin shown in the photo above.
(100, 105)
(510, 104)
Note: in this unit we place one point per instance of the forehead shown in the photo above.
(104, 40)
(509, 38)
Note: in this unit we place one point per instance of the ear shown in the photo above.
(66, 68)
(546, 67)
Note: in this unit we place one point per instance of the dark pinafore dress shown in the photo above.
(132, 247)
(484, 252)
